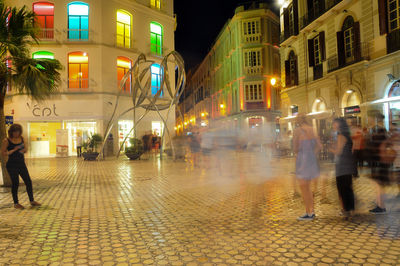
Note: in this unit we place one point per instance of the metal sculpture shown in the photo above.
(165, 98)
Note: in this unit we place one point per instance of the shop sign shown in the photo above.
(39, 111)
(9, 120)
(352, 110)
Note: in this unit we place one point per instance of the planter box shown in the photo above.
(90, 156)
(133, 156)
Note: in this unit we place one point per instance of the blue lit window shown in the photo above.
(156, 79)
(78, 21)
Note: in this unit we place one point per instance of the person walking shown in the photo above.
(306, 147)
(79, 144)
(345, 164)
(14, 147)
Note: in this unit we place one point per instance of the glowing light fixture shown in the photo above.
(349, 91)
(317, 100)
(273, 81)
(222, 105)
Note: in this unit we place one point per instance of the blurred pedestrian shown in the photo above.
(345, 165)
(395, 140)
(79, 144)
(357, 138)
(379, 166)
(194, 143)
(14, 147)
(306, 146)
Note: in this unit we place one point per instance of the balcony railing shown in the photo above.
(316, 12)
(252, 38)
(78, 35)
(46, 34)
(333, 62)
(78, 84)
(393, 41)
(256, 70)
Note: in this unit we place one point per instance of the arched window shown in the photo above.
(155, 4)
(123, 66)
(124, 29)
(78, 21)
(155, 79)
(348, 38)
(292, 77)
(78, 70)
(45, 17)
(156, 38)
(42, 55)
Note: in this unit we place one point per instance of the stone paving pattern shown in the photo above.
(237, 209)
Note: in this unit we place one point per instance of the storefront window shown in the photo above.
(124, 128)
(394, 107)
(157, 128)
(42, 137)
(84, 129)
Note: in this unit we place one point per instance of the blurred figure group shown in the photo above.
(351, 147)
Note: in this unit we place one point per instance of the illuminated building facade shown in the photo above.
(340, 58)
(97, 41)
(232, 85)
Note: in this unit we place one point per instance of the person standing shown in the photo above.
(79, 144)
(306, 147)
(346, 167)
(379, 169)
(14, 147)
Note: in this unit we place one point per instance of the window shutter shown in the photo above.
(340, 47)
(296, 72)
(311, 59)
(287, 73)
(286, 22)
(296, 16)
(322, 45)
(383, 18)
(357, 41)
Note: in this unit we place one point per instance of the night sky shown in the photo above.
(199, 23)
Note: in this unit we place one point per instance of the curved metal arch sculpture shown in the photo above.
(142, 96)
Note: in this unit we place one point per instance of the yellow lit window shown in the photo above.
(124, 29)
(155, 4)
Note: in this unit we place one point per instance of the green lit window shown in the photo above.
(42, 55)
(156, 38)
(394, 14)
(124, 29)
(155, 4)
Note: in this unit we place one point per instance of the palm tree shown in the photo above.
(37, 78)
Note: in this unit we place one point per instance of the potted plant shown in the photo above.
(135, 150)
(90, 147)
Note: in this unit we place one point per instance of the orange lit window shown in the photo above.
(45, 17)
(78, 70)
(123, 66)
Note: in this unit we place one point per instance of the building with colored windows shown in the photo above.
(340, 58)
(232, 85)
(97, 41)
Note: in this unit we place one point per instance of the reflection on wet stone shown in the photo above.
(121, 212)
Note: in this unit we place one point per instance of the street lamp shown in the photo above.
(273, 81)
(222, 106)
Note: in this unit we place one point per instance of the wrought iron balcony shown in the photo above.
(363, 50)
(317, 11)
(46, 34)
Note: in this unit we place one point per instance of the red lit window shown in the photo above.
(78, 70)
(123, 66)
(45, 17)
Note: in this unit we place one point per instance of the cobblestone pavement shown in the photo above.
(237, 209)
